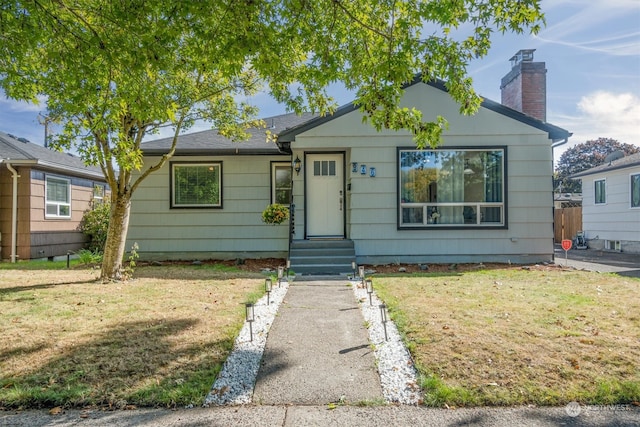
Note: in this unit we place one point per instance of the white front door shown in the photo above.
(325, 195)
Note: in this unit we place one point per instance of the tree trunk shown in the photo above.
(114, 248)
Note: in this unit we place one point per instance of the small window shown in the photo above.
(196, 185)
(324, 168)
(281, 183)
(635, 191)
(98, 194)
(600, 192)
(58, 197)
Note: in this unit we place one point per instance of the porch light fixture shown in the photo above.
(369, 284)
(250, 317)
(297, 165)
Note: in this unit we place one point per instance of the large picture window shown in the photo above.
(281, 183)
(600, 191)
(451, 188)
(58, 197)
(196, 185)
(635, 191)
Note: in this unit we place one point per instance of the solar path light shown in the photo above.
(268, 285)
(250, 317)
(369, 284)
(383, 316)
(280, 274)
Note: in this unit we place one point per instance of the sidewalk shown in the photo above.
(352, 416)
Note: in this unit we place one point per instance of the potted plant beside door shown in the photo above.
(275, 214)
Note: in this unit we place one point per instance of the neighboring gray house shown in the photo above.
(43, 196)
(611, 204)
(484, 195)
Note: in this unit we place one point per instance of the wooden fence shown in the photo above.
(567, 222)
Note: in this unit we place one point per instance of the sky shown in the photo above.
(591, 49)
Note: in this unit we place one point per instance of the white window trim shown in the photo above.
(56, 203)
(595, 202)
(275, 165)
(98, 199)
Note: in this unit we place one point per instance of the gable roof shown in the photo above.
(22, 152)
(555, 133)
(621, 163)
(211, 142)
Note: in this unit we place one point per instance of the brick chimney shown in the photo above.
(524, 88)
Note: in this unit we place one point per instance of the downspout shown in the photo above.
(14, 212)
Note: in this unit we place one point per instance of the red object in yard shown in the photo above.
(566, 244)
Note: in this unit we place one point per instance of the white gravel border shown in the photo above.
(236, 380)
(398, 375)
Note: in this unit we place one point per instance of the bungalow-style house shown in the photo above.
(611, 204)
(43, 196)
(484, 195)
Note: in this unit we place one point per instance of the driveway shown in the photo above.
(622, 263)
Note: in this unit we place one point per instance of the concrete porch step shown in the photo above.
(322, 257)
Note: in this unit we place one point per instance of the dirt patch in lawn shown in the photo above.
(261, 265)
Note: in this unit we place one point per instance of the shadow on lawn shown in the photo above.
(181, 272)
(6, 291)
(136, 363)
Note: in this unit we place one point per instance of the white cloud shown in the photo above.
(612, 115)
(23, 107)
(603, 114)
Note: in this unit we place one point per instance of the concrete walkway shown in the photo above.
(318, 350)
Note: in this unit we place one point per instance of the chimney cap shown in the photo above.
(523, 55)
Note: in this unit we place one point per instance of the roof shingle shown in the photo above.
(25, 152)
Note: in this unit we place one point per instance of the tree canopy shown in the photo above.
(113, 72)
(585, 156)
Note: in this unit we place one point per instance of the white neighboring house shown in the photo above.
(611, 204)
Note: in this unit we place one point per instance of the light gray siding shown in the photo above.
(614, 220)
(233, 231)
(372, 203)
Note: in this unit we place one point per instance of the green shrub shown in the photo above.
(87, 257)
(94, 224)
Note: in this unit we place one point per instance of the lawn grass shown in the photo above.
(507, 336)
(544, 336)
(157, 340)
